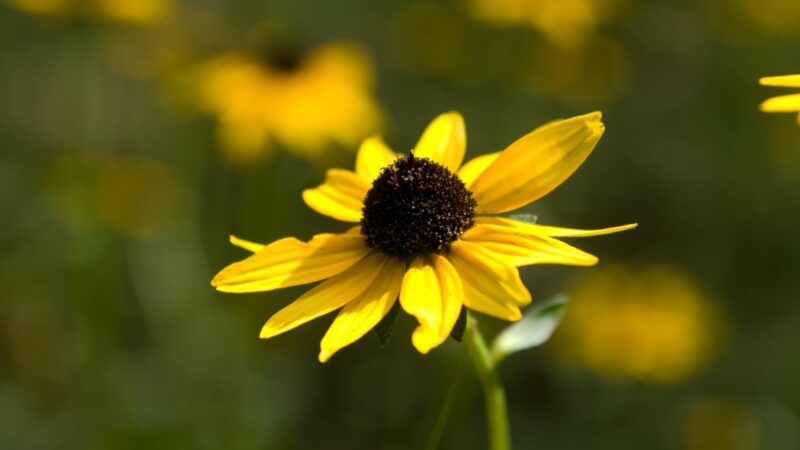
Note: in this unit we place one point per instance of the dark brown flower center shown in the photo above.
(416, 206)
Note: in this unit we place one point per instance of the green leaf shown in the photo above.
(460, 326)
(527, 218)
(384, 328)
(534, 329)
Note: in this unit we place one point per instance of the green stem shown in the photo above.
(493, 392)
(447, 408)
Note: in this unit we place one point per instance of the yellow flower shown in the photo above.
(323, 99)
(777, 16)
(424, 234)
(783, 103)
(135, 11)
(652, 325)
(567, 23)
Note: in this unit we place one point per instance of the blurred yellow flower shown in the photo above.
(424, 234)
(566, 23)
(778, 16)
(134, 11)
(324, 99)
(782, 103)
(652, 324)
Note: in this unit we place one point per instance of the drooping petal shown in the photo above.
(782, 103)
(491, 285)
(444, 141)
(520, 249)
(475, 166)
(340, 196)
(362, 314)
(781, 81)
(324, 298)
(536, 229)
(291, 262)
(247, 245)
(537, 163)
(431, 292)
(373, 155)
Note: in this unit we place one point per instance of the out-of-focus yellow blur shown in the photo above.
(567, 23)
(134, 11)
(649, 324)
(323, 100)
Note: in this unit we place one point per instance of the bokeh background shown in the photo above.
(138, 134)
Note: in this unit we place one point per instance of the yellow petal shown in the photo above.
(444, 141)
(537, 163)
(519, 249)
(491, 285)
(324, 298)
(475, 166)
(536, 229)
(781, 81)
(373, 155)
(431, 292)
(340, 196)
(782, 103)
(247, 245)
(362, 314)
(290, 262)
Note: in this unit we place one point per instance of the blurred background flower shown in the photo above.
(133, 11)
(307, 102)
(776, 16)
(649, 324)
(566, 23)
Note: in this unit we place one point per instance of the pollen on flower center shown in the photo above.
(416, 206)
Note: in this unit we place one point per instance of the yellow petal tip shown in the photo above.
(421, 343)
(595, 123)
(266, 332)
(781, 81)
(217, 281)
(595, 115)
(324, 356)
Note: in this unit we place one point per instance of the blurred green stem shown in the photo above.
(447, 408)
(493, 392)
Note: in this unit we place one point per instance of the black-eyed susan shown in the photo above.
(652, 324)
(307, 102)
(783, 103)
(133, 11)
(425, 234)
